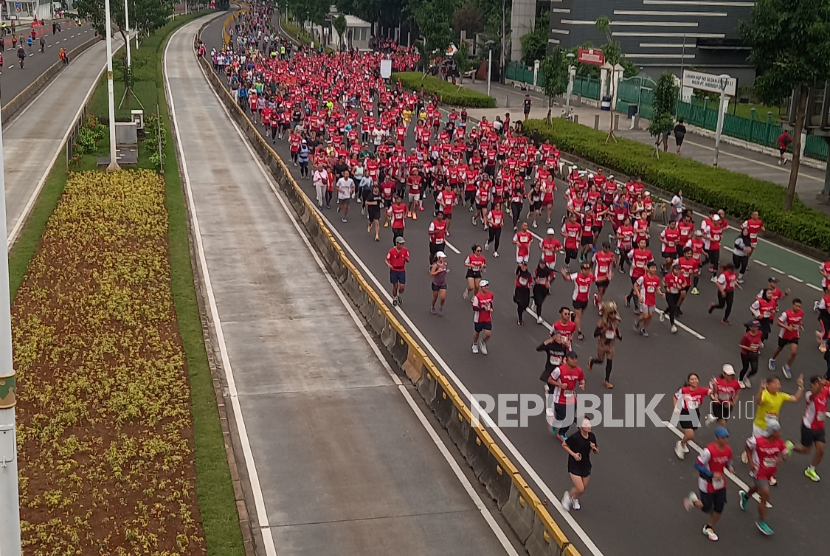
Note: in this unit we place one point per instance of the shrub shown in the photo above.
(446, 91)
(737, 194)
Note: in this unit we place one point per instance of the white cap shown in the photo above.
(716, 218)
(591, 176)
(440, 255)
(647, 193)
(728, 369)
(551, 231)
(484, 283)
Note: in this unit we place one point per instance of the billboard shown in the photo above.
(593, 56)
(710, 82)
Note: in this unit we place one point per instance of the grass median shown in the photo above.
(454, 95)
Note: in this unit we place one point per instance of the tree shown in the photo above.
(665, 99)
(462, 60)
(145, 15)
(613, 56)
(433, 20)
(554, 71)
(339, 25)
(791, 53)
(467, 18)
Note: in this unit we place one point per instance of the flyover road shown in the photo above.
(633, 503)
(13, 79)
(339, 457)
(33, 139)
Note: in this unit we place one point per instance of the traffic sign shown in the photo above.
(710, 82)
(593, 56)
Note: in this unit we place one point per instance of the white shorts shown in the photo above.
(647, 309)
(758, 432)
(522, 259)
(414, 197)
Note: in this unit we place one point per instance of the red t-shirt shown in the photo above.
(582, 285)
(571, 377)
(483, 307)
(398, 258)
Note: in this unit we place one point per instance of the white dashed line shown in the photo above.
(796, 278)
(776, 270)
(760, 263)
(813, 286)
(453, 247)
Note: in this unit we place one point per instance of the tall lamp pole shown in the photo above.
(489, 45)
(501, 69)
(9, 502)
(571, 71)
(127, 25)
(110, 93)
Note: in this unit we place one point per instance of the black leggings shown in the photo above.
(494, 237)
(725, 301)
(740, 263)
(328, 197)
(304, 169)
(522, 299)
(749, 361)
(516, 213)
(609, 364)
(540, 293)
(672, 299)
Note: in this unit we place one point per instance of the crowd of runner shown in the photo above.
(346, 129)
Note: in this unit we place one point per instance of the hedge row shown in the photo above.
(446, 91)
(737, 194)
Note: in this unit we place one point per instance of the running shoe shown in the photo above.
(710, 533)
(566, 501)
(709, 419)
(763, 527)
(590, 363)
(486, 245)
(539, 320)
(644, 333)
(466, 293)
(811, 474)
(496, 254)
(662, 316)
(580, 336)
(744, 499)
(695, 291)
(789, 444)
(673, 329)
(726, 323)
(744, 458)
(575, 504)
(747, 383)
(787, 372)
(678, 450)
(520, 322)
(773, 481)
(344, 220)
(711, 308)
(534, 225)
(689, 501)
(815, 306)
(433, 311)
(596, 300)
(772, 364)
(394, 301)
(475, 348)
(483, 348)
(637, 326)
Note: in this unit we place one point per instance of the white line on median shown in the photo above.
(760, 263)
(809, 285)
(796, 278)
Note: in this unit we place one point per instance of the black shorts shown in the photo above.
(720, 411)
(669, 255)
(580, 304)
(810, 436)
(436, 287)
(572, 253)
(685, 421)
(783, 343)
(479, 326)
(447, 216)
(473, 273)
(603, 283)
(435, 247)
(713, 501)
(578, 468)
(587, 240)
(536, 206)
(481, 207)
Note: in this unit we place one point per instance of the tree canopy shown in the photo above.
(145, 15)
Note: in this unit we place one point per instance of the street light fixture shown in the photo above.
(489, 45)
(113, 166)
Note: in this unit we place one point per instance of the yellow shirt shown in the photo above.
(769, 408)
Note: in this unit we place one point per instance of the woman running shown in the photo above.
(475, 264)
(439, 271)
(542, 277)
(521, 296)
(687, 402)
(579, 446)
(607, 333)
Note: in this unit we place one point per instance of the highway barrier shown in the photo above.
(23, 97)
(518, 503)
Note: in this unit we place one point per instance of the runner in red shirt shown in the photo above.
(475, 264)
(604, 263)
(398, 214)
(726, 282)
(437, 233)
(674, 282)
(522, 239)
(582, 281)
(647, 288)
(482, 317)
(564, 327)
(755, 227)
(670, 238)
(765, 454)
(724, 391)
(495, 222)
(687, 402)
(550, 246)
(639, 258)
(396, 260)
(791, 325)
(812, 424)
(751, 345)
(565, 379)
(447, 199)
(571, 231)
(711, 465)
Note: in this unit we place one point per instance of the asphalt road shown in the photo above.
(634, 500)
(13, 79)
(338, 461)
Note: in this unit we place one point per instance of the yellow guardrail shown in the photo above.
(225, 36)
(523, 503)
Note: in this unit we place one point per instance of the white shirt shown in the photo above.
(345, 187)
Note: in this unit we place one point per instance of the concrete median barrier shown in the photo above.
(520, 506)
(15, 105)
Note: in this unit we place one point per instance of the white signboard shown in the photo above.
(710, 82)
(385, 69)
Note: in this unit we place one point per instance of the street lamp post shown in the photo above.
(9, 501)
(501, 72)
(127, 25)
(110, 93)
(489, 45)
(571, 71)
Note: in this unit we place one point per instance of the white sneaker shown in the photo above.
(772, 364)
(686, 449)
(743, 458)
(475, 348)
(575, 504)
(689, 501)
(815, 306)
(496, 254)
(678, 450)
(709, 419)
(466, 293)
(566, 501)
(486, 246)
(539, 320)
(662, 316)
(483, 348)
(747, 384)
(673, 329)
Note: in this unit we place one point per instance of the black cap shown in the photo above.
(572, 354)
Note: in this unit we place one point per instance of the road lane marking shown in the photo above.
(796, 278)
(760, 263)
(772, 268)
(809, 285)
(698, 449)
(453, 247)
(483, 509)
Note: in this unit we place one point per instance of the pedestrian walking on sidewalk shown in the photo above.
(526, 106)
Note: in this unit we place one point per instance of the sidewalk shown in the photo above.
(702, 149)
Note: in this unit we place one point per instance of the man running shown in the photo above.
(647, 288)
(713, 461)
(565, 379)
(482, 317)
(724, 391)
(790, 322)
(765, 453)
(396, 260)
(812, 425)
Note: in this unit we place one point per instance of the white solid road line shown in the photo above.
(809, 285)
(728, 474)
(796, 278)
(474, 496)
(772, 268)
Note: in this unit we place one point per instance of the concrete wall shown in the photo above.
(651, 33)
(521, 23)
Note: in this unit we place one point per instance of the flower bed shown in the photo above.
(446, 91)
(104, 423)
